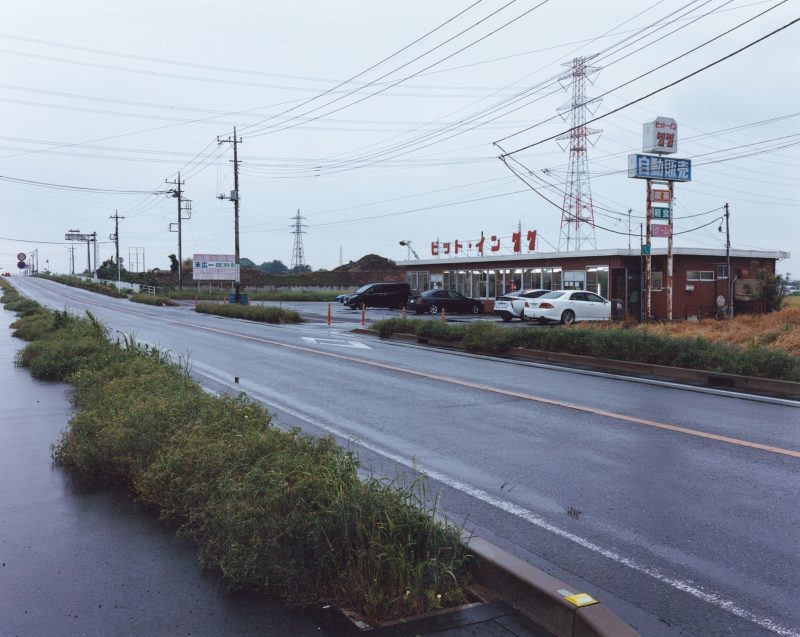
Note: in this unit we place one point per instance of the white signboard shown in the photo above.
(660, 136)
(215, 267)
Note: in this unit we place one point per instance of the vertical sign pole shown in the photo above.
(669, 252)
(648, 261)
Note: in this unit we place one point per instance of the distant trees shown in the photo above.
(275, 266)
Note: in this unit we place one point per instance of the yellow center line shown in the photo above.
(486, 388)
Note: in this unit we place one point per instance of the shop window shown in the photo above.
(722, 270)
(656, 280)
(574, 279)
(597, 280)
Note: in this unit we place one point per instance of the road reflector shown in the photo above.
(581, 599)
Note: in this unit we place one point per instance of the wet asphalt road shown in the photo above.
(679, 533)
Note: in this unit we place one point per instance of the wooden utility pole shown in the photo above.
(234, 197)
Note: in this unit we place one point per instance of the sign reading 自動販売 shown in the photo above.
(215, 267)
(660, 168)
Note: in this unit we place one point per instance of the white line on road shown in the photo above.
(338, 342)
(529, 516)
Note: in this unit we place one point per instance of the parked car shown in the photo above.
(343, 297)
(567, 307)
(434, 301)
(510, 305)
(389, 294)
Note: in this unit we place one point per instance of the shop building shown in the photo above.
(700, 276)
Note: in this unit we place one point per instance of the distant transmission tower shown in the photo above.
(298, 259)
(577, 212)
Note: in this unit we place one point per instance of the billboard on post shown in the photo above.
(215, 267)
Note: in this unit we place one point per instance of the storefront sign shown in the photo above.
(494, 244)
(662, 168)
(660, 230)
(215, 267)
(660, 213)
(660, 136)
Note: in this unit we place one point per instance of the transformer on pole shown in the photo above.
(577, 211)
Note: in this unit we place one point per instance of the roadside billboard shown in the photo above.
(215, 267)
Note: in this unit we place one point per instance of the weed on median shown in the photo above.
(263, 314)
(271, 510)
(609, 342)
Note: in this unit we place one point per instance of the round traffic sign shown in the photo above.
(21, 265)
(22, 256)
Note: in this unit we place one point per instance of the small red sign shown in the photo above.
(660, 230)
(660, 196)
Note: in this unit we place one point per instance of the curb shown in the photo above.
(702, 378)
(541, 598)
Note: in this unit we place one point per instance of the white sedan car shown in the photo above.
(510, 305)
(568, 306)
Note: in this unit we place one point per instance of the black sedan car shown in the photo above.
(434, 301)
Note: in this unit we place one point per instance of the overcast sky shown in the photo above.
(377, 121)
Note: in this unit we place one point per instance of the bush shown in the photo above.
(273, 510)
(250, 312)
(148, 299)
(608, 342)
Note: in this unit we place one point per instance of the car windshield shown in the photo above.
(553, 295)
(363, 288)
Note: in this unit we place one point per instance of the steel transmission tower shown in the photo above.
(577, 212)
(298, 259)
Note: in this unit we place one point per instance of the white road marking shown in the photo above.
(529, 516)
(335, 342)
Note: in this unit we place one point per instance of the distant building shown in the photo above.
(700, 276)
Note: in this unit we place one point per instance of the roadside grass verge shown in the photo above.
(609, 342)
(75, 282)
(147, 299)
(271, 295)
(250, 312)
(271, 510)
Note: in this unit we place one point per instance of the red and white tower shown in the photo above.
(577, 212)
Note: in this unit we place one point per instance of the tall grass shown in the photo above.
(610, 342)
(147, 299)
(272, 510)
(250, 312)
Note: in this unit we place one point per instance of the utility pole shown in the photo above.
(234, 197)
(728, 255)
(115, 238)
(176, 227)
(71, 249)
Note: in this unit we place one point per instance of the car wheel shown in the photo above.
(433, 308)
(476, 309)
(568, 317)
(506, 318)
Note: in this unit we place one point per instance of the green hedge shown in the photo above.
(272, 510)
(250, 312)
(610, 343)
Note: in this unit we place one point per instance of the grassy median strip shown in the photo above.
(609, 342)
(259, 313)
(258, 295)
(271, 510)
(148, 299)
(77, 282)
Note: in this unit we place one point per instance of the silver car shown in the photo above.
(510, 305)
(567, 307)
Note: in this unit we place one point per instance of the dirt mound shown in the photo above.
(368, 263)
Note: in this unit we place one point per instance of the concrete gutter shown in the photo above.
(695, 377)
(543, 599)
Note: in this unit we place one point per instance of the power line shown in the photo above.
(44, 184)
(666, 86)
